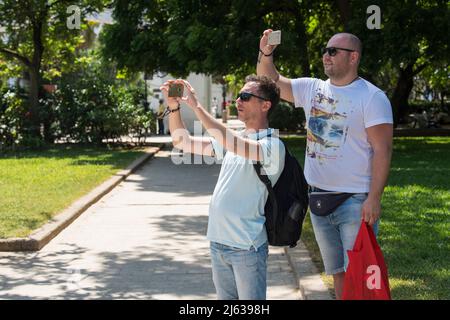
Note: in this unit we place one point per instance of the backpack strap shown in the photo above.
(265, 179)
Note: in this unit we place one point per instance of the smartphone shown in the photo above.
(176, 90)
(274, 38)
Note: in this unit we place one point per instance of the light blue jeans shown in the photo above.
(336, 233)
(238, 273)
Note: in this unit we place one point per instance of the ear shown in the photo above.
(266, 106)
(354, 57)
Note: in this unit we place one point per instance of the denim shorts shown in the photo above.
(336, 233)
(239, 273)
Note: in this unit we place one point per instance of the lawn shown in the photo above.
(415, 224)
(36, 185)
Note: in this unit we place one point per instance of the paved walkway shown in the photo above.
(144, 240)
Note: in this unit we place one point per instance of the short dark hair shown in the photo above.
(267, 88)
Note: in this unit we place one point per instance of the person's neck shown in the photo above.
(256, 126)
(344, 81)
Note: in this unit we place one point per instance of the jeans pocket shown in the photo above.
(360, 197)
(251, 259)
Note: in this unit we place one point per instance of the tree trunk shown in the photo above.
(35, 79)
(401, 93)
(402, 90)
(344, 12)
(33, 115)
(301, 29)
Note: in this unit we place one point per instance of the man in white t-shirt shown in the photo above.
(236, 230)
(349, 145)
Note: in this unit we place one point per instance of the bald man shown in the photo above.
(349, 146)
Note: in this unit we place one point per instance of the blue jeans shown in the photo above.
(336, 233)
(238, 273)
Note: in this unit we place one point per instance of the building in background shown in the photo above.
(206, 92)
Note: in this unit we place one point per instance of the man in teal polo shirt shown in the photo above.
(239, 246)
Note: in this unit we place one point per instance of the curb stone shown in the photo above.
(306, 275)
(39, 238)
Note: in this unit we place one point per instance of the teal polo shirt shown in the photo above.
(236, 211)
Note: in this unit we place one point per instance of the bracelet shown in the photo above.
(169, 111)
(266, 55)
(173, 110)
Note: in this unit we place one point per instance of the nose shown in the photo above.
(326, 57)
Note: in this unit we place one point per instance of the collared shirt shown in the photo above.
(236, 211)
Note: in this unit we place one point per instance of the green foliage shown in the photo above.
(287, 118)
(213, 37)
(12, 115)
(89, 106)
(233, 109)
(93, 107)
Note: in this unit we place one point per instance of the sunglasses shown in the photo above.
(332, 51)
(245, 96)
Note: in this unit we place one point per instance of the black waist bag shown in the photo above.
(323, 203)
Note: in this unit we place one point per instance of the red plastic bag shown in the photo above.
(366, 277)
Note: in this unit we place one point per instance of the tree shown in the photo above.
(413, 37)
(214, 37)
(35, 32)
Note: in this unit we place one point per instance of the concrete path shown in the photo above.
(143, 240)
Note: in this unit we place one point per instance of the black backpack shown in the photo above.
(287, 203)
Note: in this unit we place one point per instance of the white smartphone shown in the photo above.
(274, 38)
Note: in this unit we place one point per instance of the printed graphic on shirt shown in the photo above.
(326, 128)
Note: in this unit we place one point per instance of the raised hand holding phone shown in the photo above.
(269, 41)
(274, 38)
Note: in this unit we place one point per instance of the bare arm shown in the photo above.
(380, 138)
(266, 67)
(246, 148)
(181, 138)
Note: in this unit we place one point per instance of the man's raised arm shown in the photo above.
(265, 67)
(181, 139)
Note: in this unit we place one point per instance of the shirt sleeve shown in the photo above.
(378, 110)
(219, 151)
(273, 152)
(301, 88)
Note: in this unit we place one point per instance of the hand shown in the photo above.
(263, 46)
(172, 102)
(190, 98)
(371, 210)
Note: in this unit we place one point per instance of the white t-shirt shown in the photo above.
(338, 154)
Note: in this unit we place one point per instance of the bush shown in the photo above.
(287, 118)
(233, 109)
(91, 109)
(435, 106)
(12, 116)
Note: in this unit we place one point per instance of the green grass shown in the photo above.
(414, 231)
(36, 185)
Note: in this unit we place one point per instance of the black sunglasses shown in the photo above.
(332, 51)
(245, 96)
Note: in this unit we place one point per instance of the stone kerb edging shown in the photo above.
(39, 238)
(306, 275)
